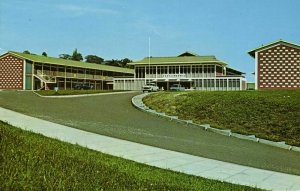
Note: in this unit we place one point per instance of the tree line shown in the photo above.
(77, 56)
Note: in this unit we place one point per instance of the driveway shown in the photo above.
(114, 116)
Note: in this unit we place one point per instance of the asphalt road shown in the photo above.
(113, 115)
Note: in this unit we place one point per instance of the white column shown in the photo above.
(215, 70)
(135, 70)
(145, 74)
(124, 84)
(256, 70)
(227, 84)
(65, 78)
(32, 72)
(215, 83)
(241, 84)
(24, 74)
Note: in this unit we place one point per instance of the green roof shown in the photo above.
(234, 71)
(184, 58)
(71, 63)
(252, 52)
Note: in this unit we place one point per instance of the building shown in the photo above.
(188, 69)
(277, 65)
(32, 72)
(250, 86)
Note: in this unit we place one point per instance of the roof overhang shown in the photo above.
(177, 63)
(263, 47)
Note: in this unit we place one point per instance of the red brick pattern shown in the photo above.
(11, 72)
(279, 68)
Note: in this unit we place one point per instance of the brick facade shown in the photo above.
(277, 65)
(11, 72)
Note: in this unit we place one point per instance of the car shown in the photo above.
(150, 87)
(83, 86)
(190, 89)
(177, 87)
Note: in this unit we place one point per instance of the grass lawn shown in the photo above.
(72, 92)
(114, 116)
(273, 115)
(33, 162)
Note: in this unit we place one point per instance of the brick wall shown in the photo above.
(279, 68)
(11, 72)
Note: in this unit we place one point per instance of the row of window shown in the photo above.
(67, 83)
(152, 71)
(55, 70)
(218, 83)
(198, 84)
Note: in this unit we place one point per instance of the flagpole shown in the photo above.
(149, 55)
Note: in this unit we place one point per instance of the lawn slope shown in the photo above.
(33, 162)
(273, 115)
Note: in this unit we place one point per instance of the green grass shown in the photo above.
(33, 162)
(72, 92)
(273, 115)
(114, 116)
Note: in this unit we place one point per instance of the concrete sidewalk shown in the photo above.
(153, 156)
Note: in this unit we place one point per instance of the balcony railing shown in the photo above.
(44, 77)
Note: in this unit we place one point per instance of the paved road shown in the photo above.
(114, 116)
(153, 156)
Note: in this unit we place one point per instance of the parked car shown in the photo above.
(190, 89)
(83, 86)
(177, 87)
(150, 87)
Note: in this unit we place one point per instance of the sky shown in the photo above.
(117, 29)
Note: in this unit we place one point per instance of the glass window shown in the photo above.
(28, 68)
(159, 70)
(176, 69)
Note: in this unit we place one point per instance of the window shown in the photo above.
(185, 69)
(140, 72)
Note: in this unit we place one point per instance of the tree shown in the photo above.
(65, 56)
(125, 61)
(94, 59)
(112, 62)
(26, 52)
(44, 54)
(119, 63)
(76, 55)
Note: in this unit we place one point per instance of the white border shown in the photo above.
(256, 70)
(24, 74)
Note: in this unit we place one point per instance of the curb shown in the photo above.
(137, 101)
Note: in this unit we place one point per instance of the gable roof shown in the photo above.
(187, 53)
(71, 63)
(252, 52)
(184, 58)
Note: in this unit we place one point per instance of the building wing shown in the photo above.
(71, 63)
